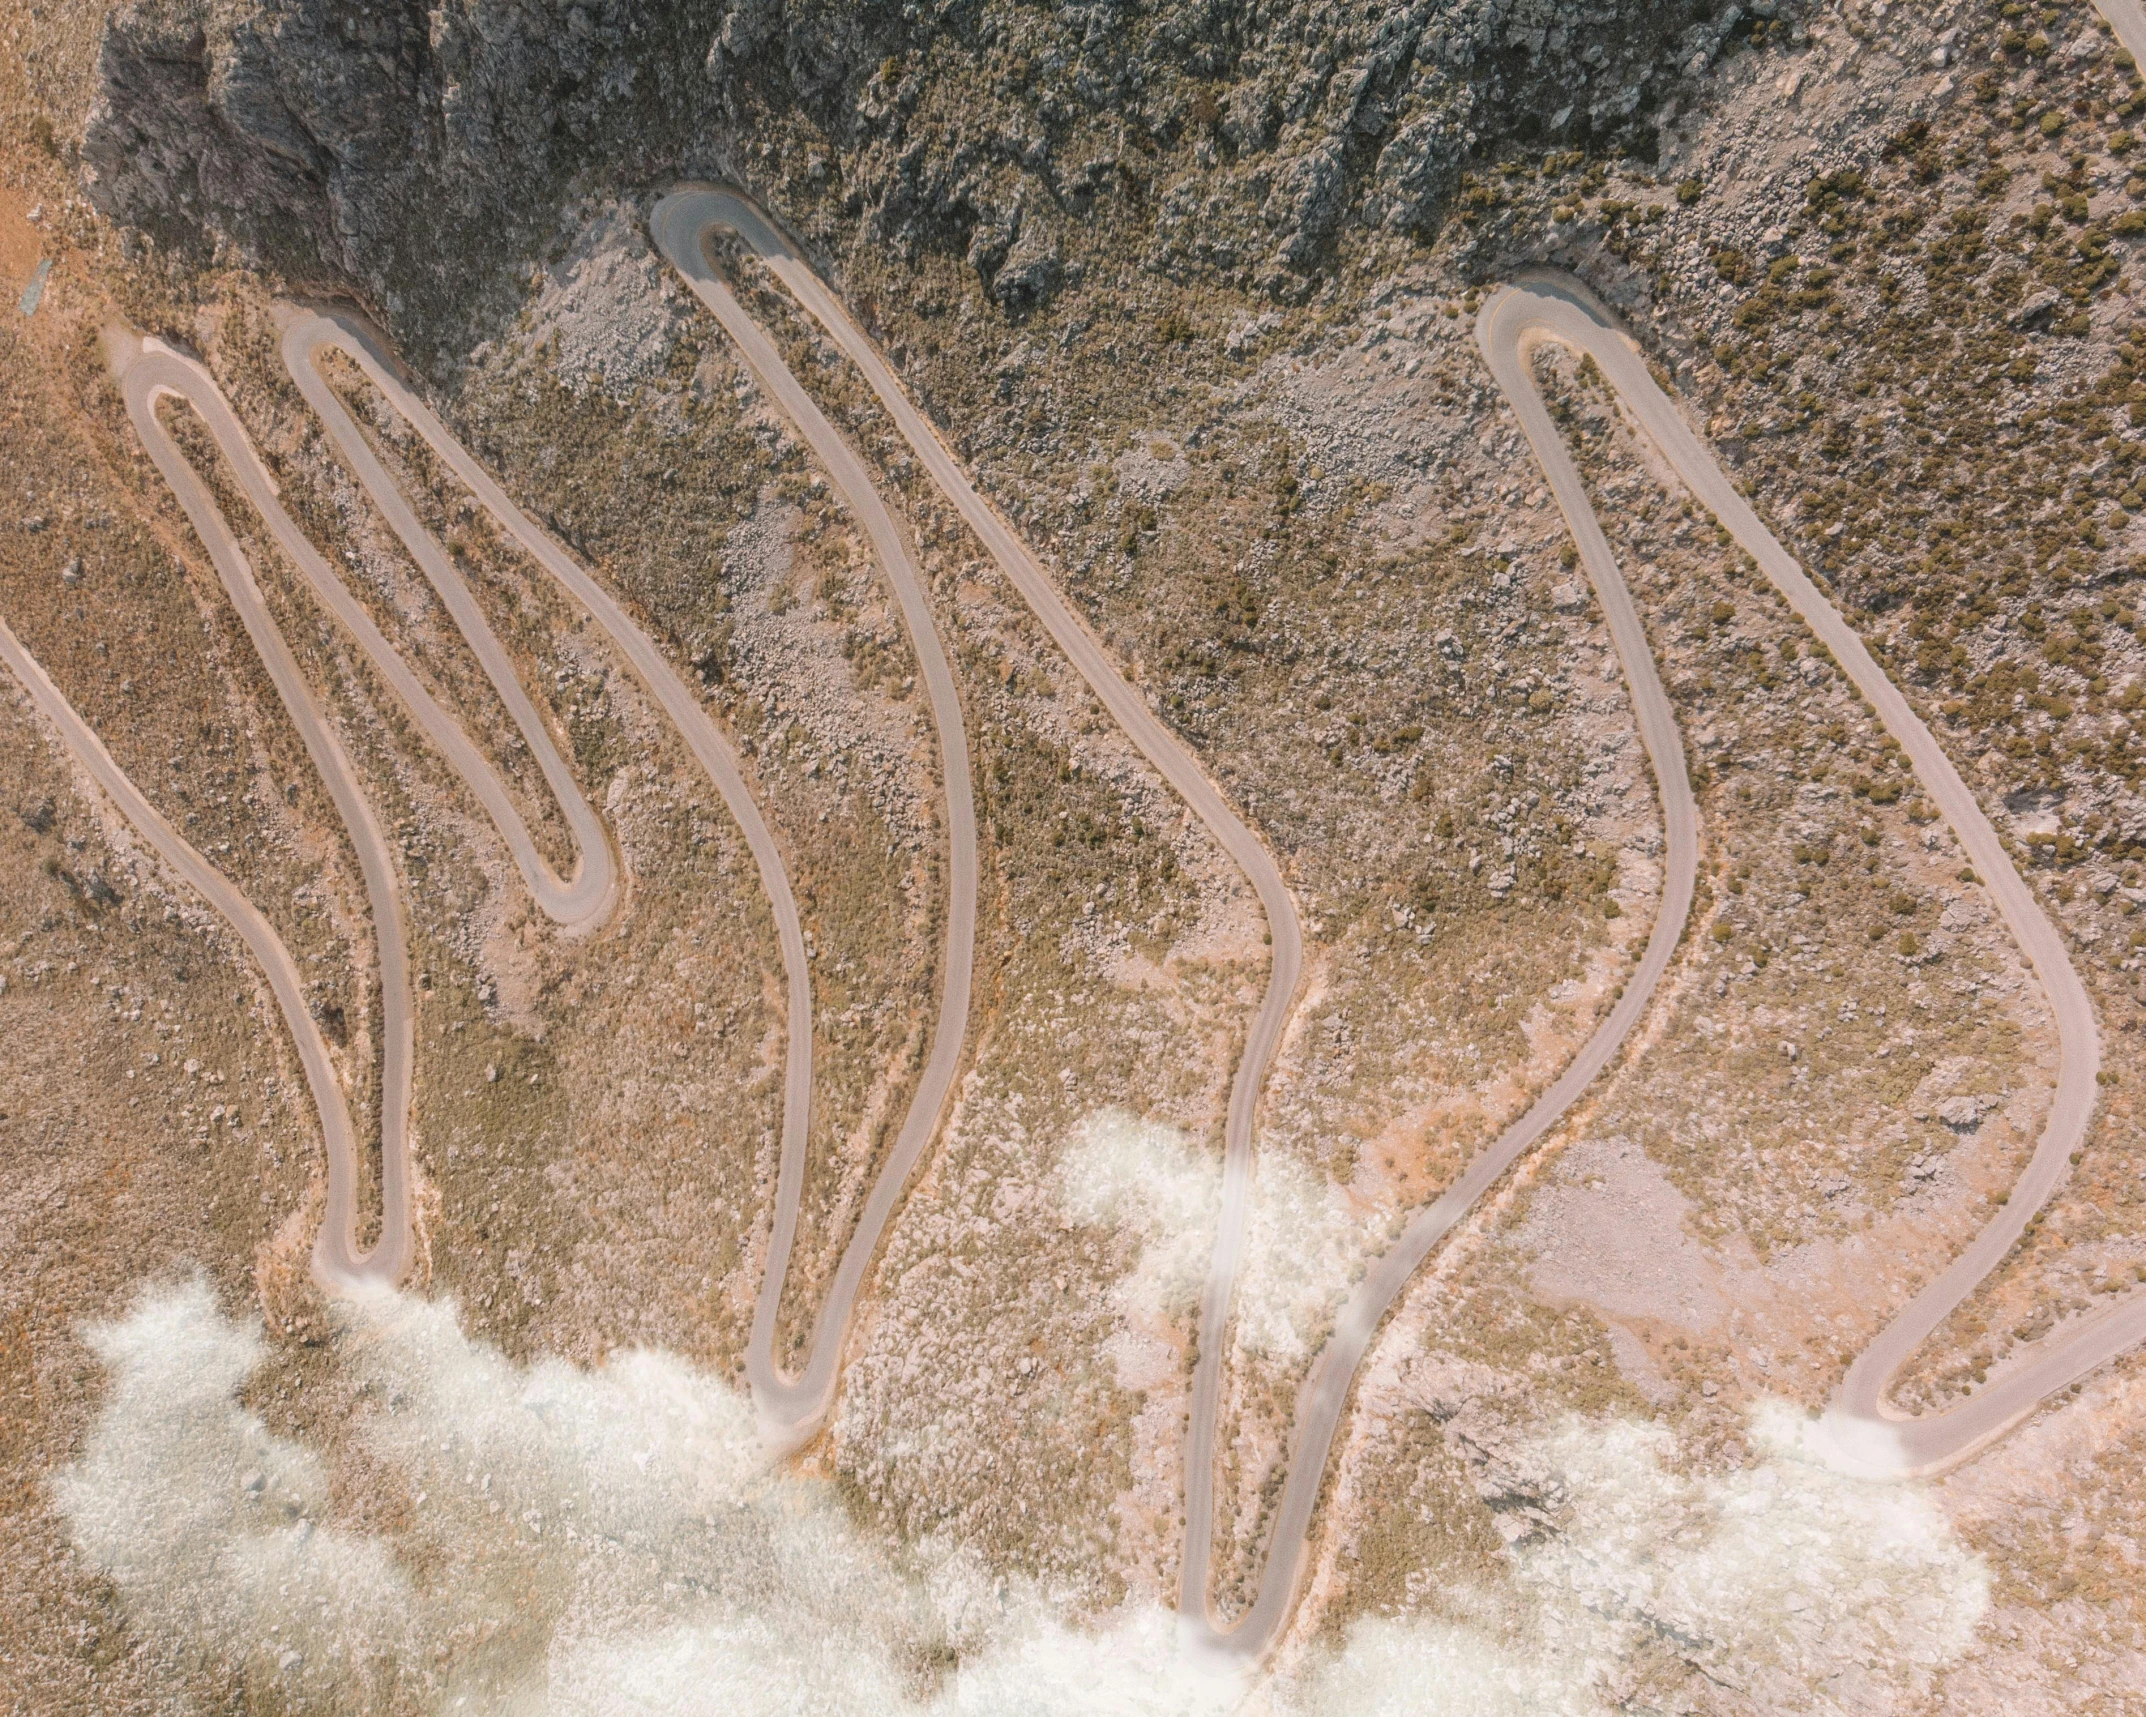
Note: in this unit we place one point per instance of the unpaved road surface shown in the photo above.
(1325, 1395)
(1860, 1431)
(681, 226)
(149, 373)
(677, 222)
(1860, 1427)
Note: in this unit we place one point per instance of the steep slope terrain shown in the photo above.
(1189, 293)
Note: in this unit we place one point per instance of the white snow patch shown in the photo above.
(1145, 1180)
(1302, 1238)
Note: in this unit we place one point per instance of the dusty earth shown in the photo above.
(1289, 503)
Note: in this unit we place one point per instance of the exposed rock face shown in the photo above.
(1031, 272)
(404, 156)
(412, 155)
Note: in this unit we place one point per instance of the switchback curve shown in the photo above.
(1860, 1431)
(1324, 1396)
(308, 335)
(583, 903)
(148, 372)
(1861, 1427)
(680, 226)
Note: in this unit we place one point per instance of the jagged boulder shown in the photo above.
(1307, 202)
(1032, 271)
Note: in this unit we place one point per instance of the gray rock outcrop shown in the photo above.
(418, 157)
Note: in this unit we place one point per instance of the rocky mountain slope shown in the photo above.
(414, 157)
(1190, 288)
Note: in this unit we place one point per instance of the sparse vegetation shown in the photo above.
(1274, 479)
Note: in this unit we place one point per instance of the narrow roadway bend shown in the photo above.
(577, 904)
(784, 1421)
(1860, 1430)
(149, 372)
(789, 1411)
(588, 900)
(1326, 1390)
(1861, 1427)
(681, 224)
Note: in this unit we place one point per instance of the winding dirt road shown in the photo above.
(306, 338)
(333, 1254)
(1860, 1430)
(681, 225)
(1861, 1427)
(584, 903)
(789, 1410)
(149, 373)
(1325, 1395)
